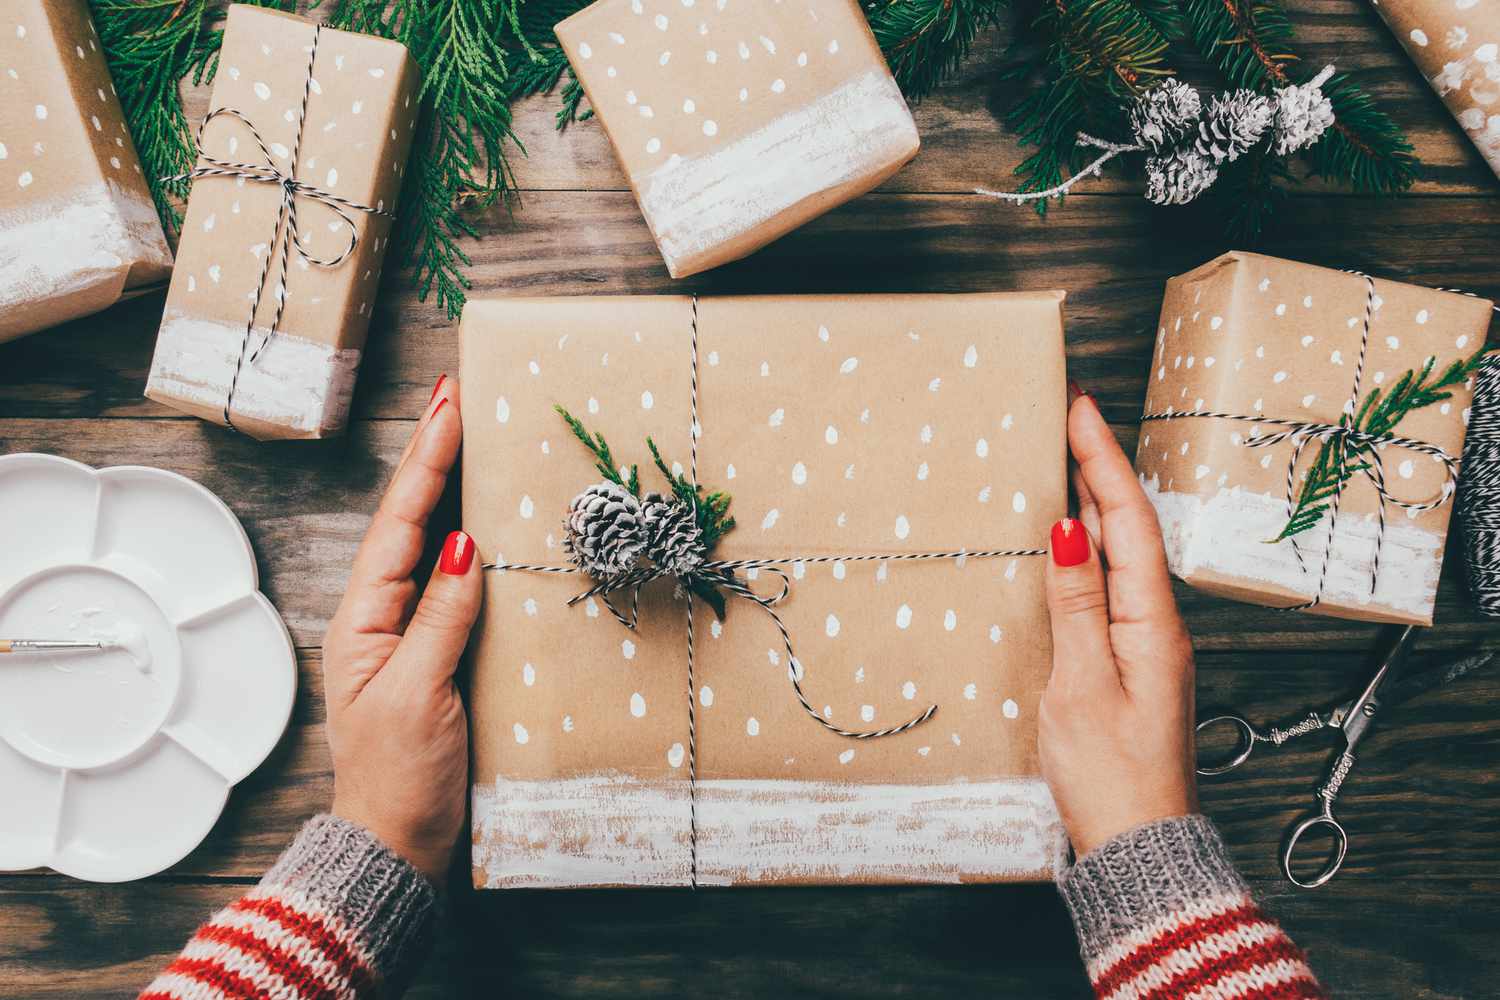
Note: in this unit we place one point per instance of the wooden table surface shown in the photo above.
(1416, 912)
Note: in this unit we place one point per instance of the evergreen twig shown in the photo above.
(925, 41)
(1379, 414)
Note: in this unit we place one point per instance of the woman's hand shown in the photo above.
(396, 723)
(1117, 716)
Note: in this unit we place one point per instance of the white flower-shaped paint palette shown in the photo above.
(115, 764)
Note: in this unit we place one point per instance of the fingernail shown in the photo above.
(434, 411)
(1070, 544)
(437, 388)
(458, 554)
(1074, 389)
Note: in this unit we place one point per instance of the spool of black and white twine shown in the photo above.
(1479, 491)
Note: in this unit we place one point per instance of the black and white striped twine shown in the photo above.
(1479, 491)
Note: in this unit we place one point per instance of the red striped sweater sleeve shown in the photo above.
(1161, 913)
(339, 917)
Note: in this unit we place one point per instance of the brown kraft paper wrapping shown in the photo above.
(737, 123)
(1456, 45)
(78, 230)
(1257, 336)
(842, 425)
(361, 106)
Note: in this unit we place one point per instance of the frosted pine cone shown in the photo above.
(1164, 114)
(1234, 122)
(605, 530)
(1303, 114)
(1179, 177)
(673, 539)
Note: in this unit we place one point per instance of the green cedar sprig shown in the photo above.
(1379, 414)
(605, 459)
(925, 41)
(714, 519)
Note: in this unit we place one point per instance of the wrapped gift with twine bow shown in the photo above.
(301, 158)
(1302, 433)
(764, 592)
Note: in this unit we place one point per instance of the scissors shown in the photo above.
(1352, 718)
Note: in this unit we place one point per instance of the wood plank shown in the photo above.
(306, 506)
(1428, 764)
(965, 144)
(1394, 938)
(1112, 255)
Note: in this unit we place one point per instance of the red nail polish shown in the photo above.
(1074, 389)
(437, 388)
(458, 554)
(438, 408)
(1070, 543)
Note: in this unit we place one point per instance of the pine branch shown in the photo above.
(1378, 415)
(1098, 55)
(1250, 42)
(925, 41)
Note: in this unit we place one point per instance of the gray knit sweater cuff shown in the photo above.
(344, 869)
(1145, 875)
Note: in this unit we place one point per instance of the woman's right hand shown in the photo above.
(1116, 722)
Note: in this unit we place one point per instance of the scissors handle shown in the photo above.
(1326, 793)
(1247, 735)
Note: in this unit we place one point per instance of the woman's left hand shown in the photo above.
(396, 723)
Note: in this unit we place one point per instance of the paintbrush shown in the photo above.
(52, 645)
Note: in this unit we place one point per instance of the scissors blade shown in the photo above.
(1362, 710)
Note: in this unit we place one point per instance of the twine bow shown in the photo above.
(286, 235)
(1347, 443)
(720, 573)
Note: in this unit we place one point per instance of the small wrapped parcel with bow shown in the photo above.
(764, 591)
(301, 158)
(1302, 434)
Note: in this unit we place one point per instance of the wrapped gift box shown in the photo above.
(737, 123)
(78, 229)
(360, 108)
(1254, 336)
(1456, 45)
(881, 424)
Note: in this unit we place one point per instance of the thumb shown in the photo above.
(1082, 657)
(440, 625)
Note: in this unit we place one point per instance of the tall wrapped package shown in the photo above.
(1456, 45)
(737, 123)
(78, 230)
(1265, 371)
(895, 462)
(301, 158)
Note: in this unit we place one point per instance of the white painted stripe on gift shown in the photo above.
(1226, 533)
(297, 383)
(53, 249)
(694, 204)
(616, 829)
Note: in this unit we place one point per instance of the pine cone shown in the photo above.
(1234, 122)
(1303, 114)
(1164, 114)
(605, 530)
(673, 539)
(1179, 177)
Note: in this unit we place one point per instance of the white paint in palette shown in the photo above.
(701, 202)
(54, 250)
(1225, 532)
(297, 383)
(616, 829)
